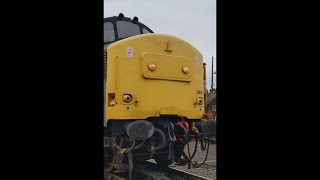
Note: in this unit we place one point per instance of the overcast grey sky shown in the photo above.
(191, 20)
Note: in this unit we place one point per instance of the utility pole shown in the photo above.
(212, 76)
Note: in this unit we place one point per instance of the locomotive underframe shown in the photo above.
(121, 151)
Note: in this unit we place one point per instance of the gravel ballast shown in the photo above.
(206, 170)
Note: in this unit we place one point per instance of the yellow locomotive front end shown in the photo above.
(154, 94)
(152, 75)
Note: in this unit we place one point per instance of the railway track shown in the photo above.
(151, 171)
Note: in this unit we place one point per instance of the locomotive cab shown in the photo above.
(120, 27)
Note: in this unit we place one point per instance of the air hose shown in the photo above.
(189, 159)
(202, 163)
(142, 142)
(203, 147)
(196, 147)
(163, 140)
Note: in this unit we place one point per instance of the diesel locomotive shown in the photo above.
(154, 95)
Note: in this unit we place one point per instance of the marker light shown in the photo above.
(185, 69)
(152, 66)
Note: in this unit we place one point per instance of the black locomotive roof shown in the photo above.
(114, 19)
(121, 17)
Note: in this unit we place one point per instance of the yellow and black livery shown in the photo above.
(154, 91)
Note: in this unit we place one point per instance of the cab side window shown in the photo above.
(108, 32)
(145, 31)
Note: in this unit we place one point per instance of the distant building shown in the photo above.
(212, 102)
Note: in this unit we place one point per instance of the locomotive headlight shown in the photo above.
(185, 69)
(152, 66)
